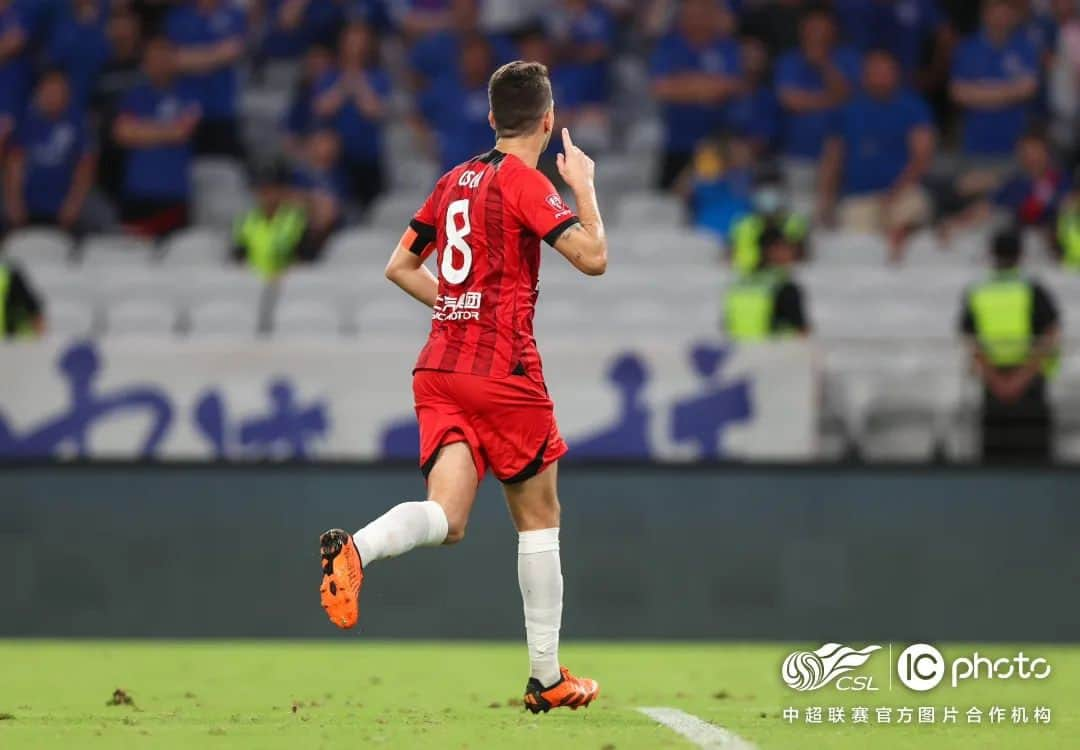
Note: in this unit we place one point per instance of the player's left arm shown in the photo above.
(406, 267)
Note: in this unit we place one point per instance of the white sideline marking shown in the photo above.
(700, 732)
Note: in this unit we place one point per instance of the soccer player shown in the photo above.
(478, 386)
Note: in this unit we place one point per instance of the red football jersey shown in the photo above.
(485, 219)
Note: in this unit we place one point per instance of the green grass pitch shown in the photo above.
(356, 693)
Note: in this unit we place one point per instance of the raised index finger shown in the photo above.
(567, 144)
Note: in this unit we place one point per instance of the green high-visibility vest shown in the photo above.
(746, 239)
(748, 307)
(271, 241)
(1069, 237)
(1002, 310)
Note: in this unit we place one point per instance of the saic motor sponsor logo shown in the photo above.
(922, 667)
(465, 307)
(813, 670)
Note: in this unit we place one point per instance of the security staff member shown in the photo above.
(770, 209)
(271, 236)
(1013, 327)
(1068, 235)
(21, 311)
(766, 303)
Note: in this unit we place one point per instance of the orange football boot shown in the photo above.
(568, 691)
(343, 575)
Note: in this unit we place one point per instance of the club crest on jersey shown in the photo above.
(465, 307)
(556, 202)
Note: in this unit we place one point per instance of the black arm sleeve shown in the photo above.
(789, 311)
(425, 235)
(1044, 310)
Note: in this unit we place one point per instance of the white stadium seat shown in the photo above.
(362, 247)
(201, 246)
(650, 209)
(307, 319)
(393, 211)
(114, 251)
(71, 318)
(37, 247)
(141, 317)
(223, 318)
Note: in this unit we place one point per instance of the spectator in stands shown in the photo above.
(209, 40)
(719, 184)
(419, 18)
(121, 74)
(352, 99)
(771, 208)
(755, 113)
(916, 32)
(15, 68)
(21, 311)
(1013, 328)
(50, 168)
(878, 153)
(156, 125)
(812, 82)
(293, 26)
(1031, 196)
(995, 79)
(321, 187)
(767, 304)
(585, 47)
(270, 237)
(454, 111)
(300, 117)
(776, 24)
(431, 56)
(695, 73)
(79, 45)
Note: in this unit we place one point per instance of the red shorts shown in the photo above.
(509, 423)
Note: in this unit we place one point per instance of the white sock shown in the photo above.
(400, 529)
(540, 578)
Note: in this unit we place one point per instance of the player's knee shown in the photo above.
(455, 532)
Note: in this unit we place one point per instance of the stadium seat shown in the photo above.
(664, 246)
(648, 209)
(1065, 397)
(848, 249)
(363, 250)
(905, 417)
(140, 317)
(71, 318)
(114, 251)
(208, 173)
(37, 247)
(223, 318)
(307, 319)
(393, 211)
(201, 246)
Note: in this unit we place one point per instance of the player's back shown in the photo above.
(486, 218)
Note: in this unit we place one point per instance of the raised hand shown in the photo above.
(575, 166)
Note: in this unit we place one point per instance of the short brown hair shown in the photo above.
(520, 96)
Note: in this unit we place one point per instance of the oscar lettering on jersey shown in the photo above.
(470, 179)
(466, 307)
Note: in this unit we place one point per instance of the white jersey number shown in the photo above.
(456, 212)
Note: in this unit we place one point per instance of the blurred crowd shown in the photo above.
(867, 115)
